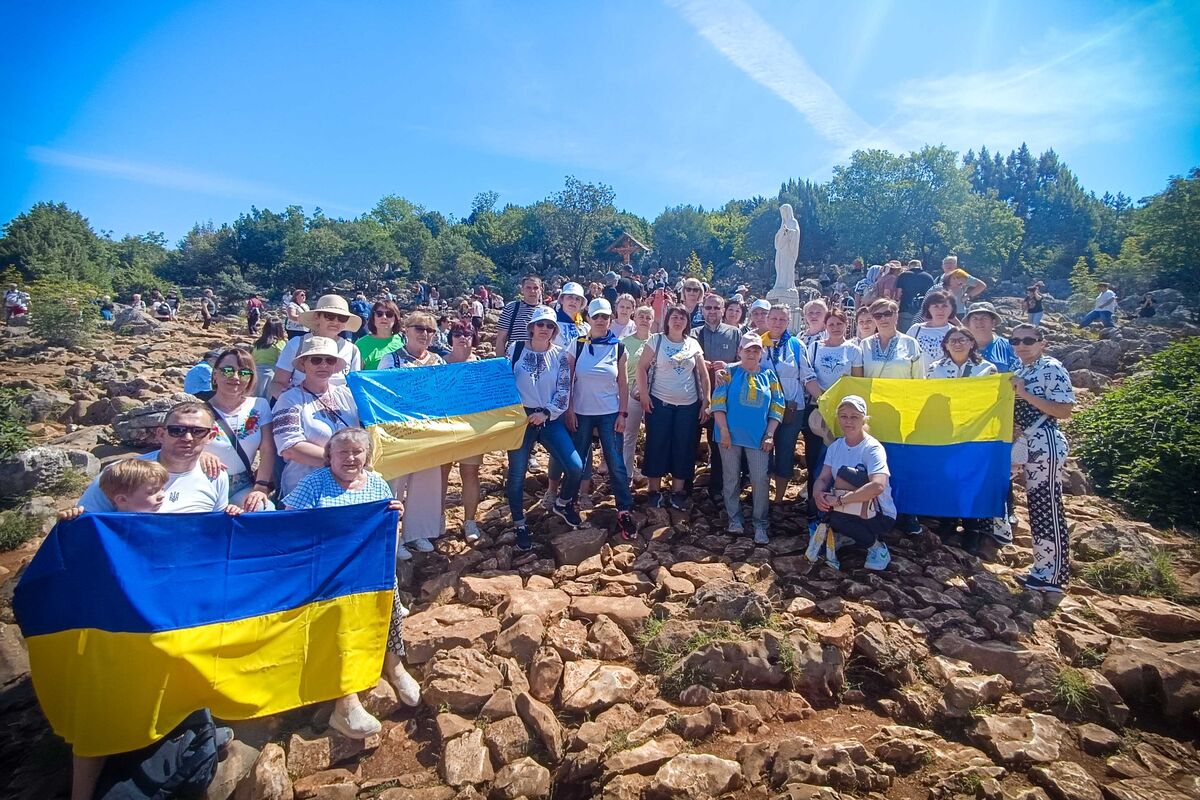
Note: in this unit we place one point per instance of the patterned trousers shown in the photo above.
(395, 638)
(1047, 516)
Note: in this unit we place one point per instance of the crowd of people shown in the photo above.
(631, 366)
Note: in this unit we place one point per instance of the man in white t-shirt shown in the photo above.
(185, 431)
(1103, 308)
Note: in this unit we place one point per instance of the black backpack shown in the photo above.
(180, 765)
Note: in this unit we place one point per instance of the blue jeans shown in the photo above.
(1105, 318)
(610, 444)
(555, 438)
(783, 457)
(671, 433)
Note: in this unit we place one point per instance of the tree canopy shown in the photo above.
(1008, 217)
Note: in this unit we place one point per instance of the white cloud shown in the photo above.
(758, 50)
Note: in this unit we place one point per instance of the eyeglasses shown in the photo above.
(960, 340)
(318, 361)
(384, 313)
(543, 324)
(329, 315)
(690, 289)
(422, 329)
(601, 316)
(229, 372)
(179, 431)
(1025, 340)
(883, 314)
(712, 308)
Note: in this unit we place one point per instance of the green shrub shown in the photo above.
(14, 437)
(1141, 441)
(63, 313)
(1124, 575)
(16, 528)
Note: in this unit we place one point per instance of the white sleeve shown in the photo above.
(876, 458)
(288, 353)
(221, 488)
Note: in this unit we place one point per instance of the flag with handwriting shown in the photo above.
(422, 417)
(948, 440)
(133, 621)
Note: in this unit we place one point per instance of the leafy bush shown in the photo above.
(1141, 441)
(14, 437)
(16, 528)
(63, 313)
(1124, 575)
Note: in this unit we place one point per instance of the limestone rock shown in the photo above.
(236, 763)
(507, 740)
(541, 721)
(268, 780)
(521, 639)
(695, 776)
(546, 604)
(446, 627)
(465, 760)
(500, 705)
(730, 601)
(487, 592)
(331, 784)
(523, 778)
(136, 426)
(1066, 780)
(1096, 740)
(307, 756)
(573, 547)
(628, 612)
(1141, 669)
(37, 467)
(590, 686)
(646, 758)
(132, 322)
(545, 672)
(964, 694)
(607, 642)
(1020, 741)
(701, 574)
(462, 678)
(1148, 788)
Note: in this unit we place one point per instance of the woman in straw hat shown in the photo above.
(331, 316)
(306, 416)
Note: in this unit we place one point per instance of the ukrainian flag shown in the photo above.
(948, 440)
(133, 621)
(424, 417)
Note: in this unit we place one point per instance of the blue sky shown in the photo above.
(153, 116)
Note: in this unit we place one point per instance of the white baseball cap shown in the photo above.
(599, 306)
(572, 288)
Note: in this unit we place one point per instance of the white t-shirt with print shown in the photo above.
(294, 308)
(831, 362)
(187, 492)
(930, 338)
(674, 374)
(868, 454)
(346, 349)
(246, 423)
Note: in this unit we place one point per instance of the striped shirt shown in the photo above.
(514, 320)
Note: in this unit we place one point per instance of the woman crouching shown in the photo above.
(853, 487)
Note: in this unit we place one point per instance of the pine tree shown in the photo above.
(1083, 286)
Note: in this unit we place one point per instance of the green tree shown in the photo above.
(203, 253)
(1130, 270)
(681, 231)
(991, 235)
(454, 266)
(575, 215)
(405, 223)
(1169, 229)
(52, 242)
(1083, 286)
(138, 262)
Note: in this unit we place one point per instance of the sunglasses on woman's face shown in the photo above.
(422, 329)
(179, 431)
(463, 335)
(1025, 340)
(543, 324)
(385, 313)
(883, 314)
(318, 361)
(327, 315)
(229, 372)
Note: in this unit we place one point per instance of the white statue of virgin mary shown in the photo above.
(787, 249)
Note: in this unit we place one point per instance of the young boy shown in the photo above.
(133, 485)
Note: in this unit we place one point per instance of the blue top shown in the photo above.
(749, 401)
(1001, 354)
(321, 490)
(362, 308)
(198, 378)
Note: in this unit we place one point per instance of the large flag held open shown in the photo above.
(135, 620)
(948, 441)
(427, 416)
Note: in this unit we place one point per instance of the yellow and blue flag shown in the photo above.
(133, 621)
(948, 440)
(422, 417)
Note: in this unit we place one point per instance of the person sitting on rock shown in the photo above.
(853, 488)
(345, 480)
(199, 378)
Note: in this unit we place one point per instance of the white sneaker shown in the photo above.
(760, 536)
(816, 541)
(878, 557)
(355, 722)
(548, 499)
(471, 531)
(408, 691)
(423, 546)
(402, 553)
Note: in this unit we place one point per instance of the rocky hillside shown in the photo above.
(690, 663)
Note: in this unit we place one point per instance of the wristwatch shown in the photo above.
(265, 484)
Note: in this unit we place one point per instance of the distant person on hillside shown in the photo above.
(362, 309)
(627, 284)
(162, 310)
(208, 308)
(255, 306)
(972, 288)
(267, 349)
(137, 303)
(477, 312)
(911, 287)
(16, 302)
(435, 297)
(1148, 308)
(441, 337)
(1103, 308)
(295, 307)
(1031, 303)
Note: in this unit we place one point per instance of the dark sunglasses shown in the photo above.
(544, 324)
(329, 315)
(462, 334)
(883, 314)
(601, 316)
(179, 431)
(1025, 340)
(318, 361)
(422, 329)
(689, 289)
(712, 308)
(229, 372)
(385, 313)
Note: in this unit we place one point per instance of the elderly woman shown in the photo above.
(424, 492)
(243, 431)
(598, 403)
(747, 409)
(462, 335)
(623, 324)
(981, 320)
(674, 387)
(384, 334)
(757, 323)
(937, 311)
(571, 325)
(1044, 396)
(306, 416)
(853, 488)
(543, 377)
(346, 480)
(786, 356)
(814, 322)
(331, 316)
